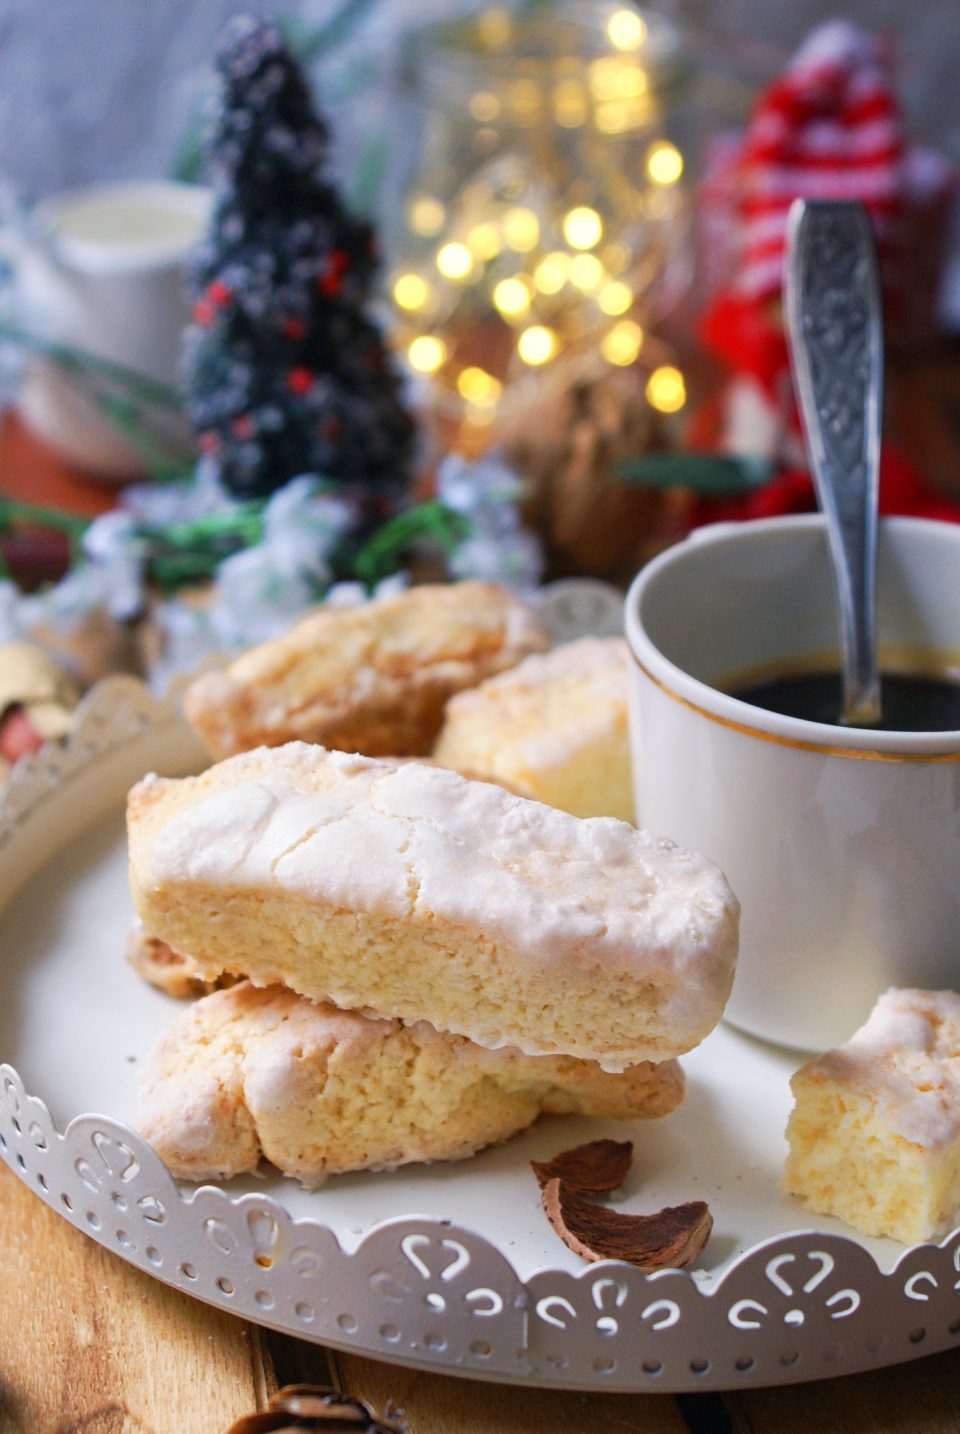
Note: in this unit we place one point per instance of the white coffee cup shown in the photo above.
(842, 844)
(104, 269)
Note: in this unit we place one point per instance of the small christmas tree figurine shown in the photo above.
(285, 374)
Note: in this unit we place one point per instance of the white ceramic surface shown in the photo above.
(106, 272)
(843, 845)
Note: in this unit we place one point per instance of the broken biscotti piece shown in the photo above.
(413, 892)
(875, 1133)
(250, 1072)
(169, 970)
(372, 679)
(554, 727)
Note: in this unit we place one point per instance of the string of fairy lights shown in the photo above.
(547, 247)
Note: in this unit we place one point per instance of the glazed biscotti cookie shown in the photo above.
(554, 727)
(875, 1132)
(371, 679)
(412, 892)
(250, 1072)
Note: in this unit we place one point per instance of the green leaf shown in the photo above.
(187, 164)
(713, 475)
(365, 182)
(381, 554)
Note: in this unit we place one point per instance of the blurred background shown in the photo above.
(382, 292)
(103, 90)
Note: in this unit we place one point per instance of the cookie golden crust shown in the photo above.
(371, 679)
(554, 727)
(256, 1072)
(408, 891)
(875, 1131)
(170, 971)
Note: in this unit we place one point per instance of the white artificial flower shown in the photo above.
(158, 505)
(471, 488)
(118, 554)
(498, 548)
(188, 637)
(514, 561)
(255, 599)
(301, 526)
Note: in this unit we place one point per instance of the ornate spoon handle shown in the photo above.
(835, 327)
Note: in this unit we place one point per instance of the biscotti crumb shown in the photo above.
(875, 1132)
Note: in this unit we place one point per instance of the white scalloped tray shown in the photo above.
(445, 1267)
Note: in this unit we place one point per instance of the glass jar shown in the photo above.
(546, 229)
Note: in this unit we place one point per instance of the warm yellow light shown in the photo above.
(480, 415)
(484, 241)
(484, 106)
(494, 28)
(632, 83)
(615, 297)
(664, 162)
(570, 104)
(537, 345)
(478, 386)
(666, 389)
(586, 271)
(550, 275)
(426, 215)
(582, 227)
(512, 297)
(410, 292)
(603, 76)
(622, 343)
(454, 261)
(524, 98)
(626, 29)
(521, 229)
(612, 117)
(427, 353)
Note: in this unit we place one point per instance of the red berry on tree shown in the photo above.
(204, 313)
(294, 329)
(299, 380)
(243, 426)
(218, 293)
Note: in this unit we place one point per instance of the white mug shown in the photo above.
(104, 269)
(842, 844)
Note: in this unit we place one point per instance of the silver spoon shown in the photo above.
(835, 329)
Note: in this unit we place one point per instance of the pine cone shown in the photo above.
(308, 1407)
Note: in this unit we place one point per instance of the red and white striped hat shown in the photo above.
(828, 128)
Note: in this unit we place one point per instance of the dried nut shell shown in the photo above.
(300, 1407)
(670, 1239)
(594, 1169)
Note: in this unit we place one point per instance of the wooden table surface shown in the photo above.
(87, 1343)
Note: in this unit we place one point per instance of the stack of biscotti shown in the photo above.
(430, 962)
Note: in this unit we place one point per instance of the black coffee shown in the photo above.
(910, 702)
